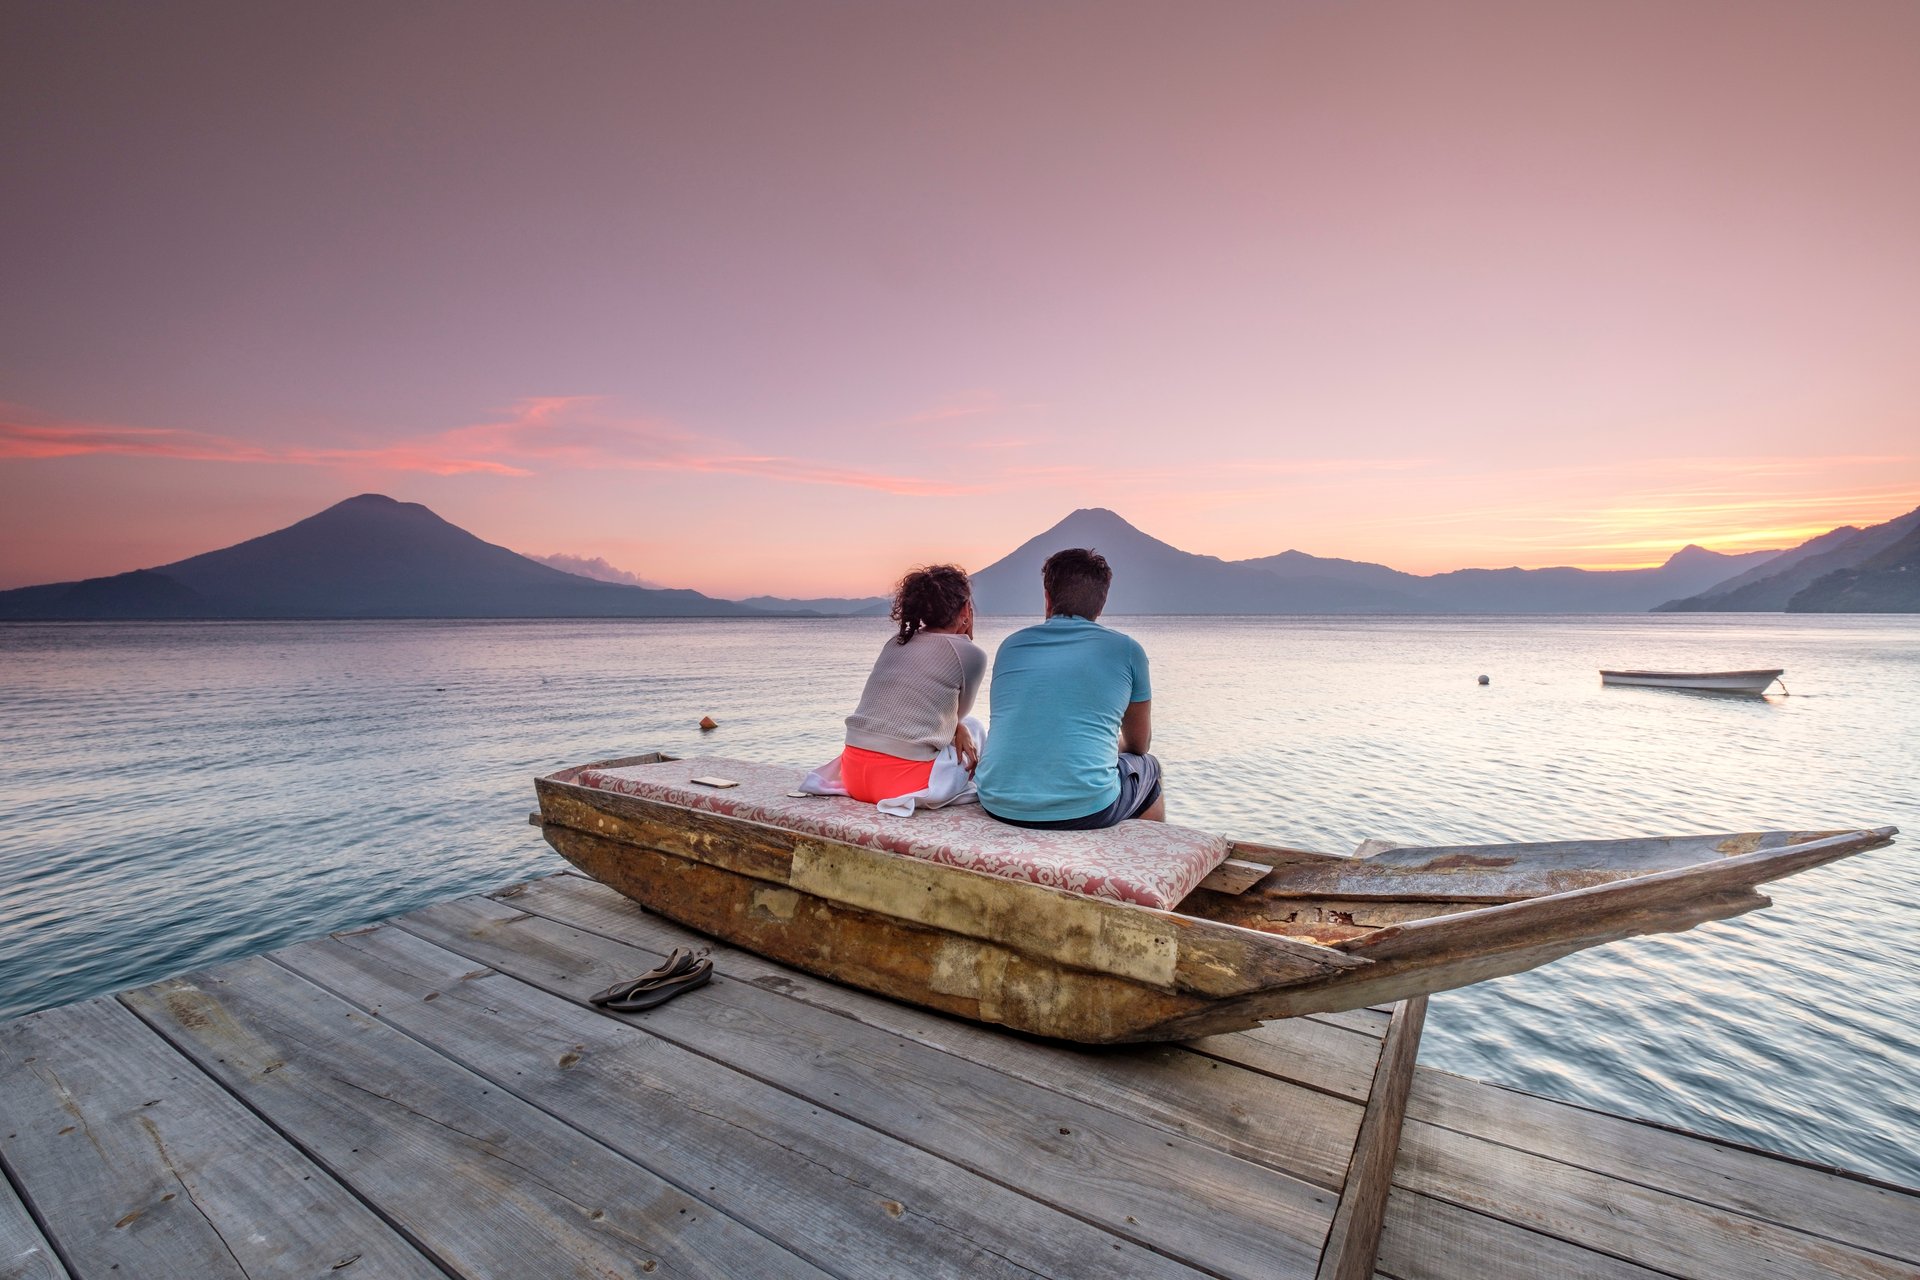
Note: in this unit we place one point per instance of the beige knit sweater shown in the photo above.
(916, 695)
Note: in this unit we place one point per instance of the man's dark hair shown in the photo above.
(1077, 580)
(931, 596)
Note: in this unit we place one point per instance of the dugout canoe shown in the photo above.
(1269, 933)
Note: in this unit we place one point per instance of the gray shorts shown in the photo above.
(1139, 788)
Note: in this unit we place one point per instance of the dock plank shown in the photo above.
(136, 1161)
(24, 1251)
(1223, 1106)
(492, 1186)
(1807, 1198)
(851, 1199)
(1429, 1239)
(1320, 1055)
(1169, 1193)
(1654, 1228)
(1369, 1021)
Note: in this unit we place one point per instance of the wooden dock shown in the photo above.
(432, 1097)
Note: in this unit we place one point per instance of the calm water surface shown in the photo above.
(172, 795)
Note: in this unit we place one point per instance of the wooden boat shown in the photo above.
(1270, 933)
(1710, 681)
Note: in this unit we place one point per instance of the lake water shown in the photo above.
(172, 795)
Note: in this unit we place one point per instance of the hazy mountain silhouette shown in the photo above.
(1298, 564)
(1152, 577)
(1885, 582)
(1771, 587)
(825, 606)
(367, 557)
(1566, 590)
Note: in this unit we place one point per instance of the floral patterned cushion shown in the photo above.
(1152, 863)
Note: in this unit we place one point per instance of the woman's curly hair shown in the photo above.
(930, 596)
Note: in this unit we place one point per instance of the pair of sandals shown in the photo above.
(682, 971)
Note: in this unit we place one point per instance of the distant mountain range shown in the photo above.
(1152, 577)
(1788, 581)
(373, 557)
(825, 606)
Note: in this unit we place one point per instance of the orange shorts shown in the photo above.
(873, 775)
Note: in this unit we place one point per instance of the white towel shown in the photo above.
(949, 783)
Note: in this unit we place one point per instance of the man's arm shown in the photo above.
(1136, 728)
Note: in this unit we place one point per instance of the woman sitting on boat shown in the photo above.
(914, 708)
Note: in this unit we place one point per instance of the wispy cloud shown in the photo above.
(580, 431)
(1212, 479)
(26, 439)
(591, 567)
(536, 434)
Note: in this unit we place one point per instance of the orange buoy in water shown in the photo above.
(708, 724)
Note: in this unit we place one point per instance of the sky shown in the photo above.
(784, 297)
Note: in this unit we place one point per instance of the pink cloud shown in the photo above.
(591, 567)
(574, 431)
(568, 432)
(25, 439)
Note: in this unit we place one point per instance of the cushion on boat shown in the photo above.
(1154, 864)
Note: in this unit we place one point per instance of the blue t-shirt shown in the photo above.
(1059, 691)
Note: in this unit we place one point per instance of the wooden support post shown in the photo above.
(1354, 1237)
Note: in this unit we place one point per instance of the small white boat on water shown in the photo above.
(1712, 681)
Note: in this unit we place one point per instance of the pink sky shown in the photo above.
(783, 297)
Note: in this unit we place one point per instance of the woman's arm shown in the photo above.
(965, 747)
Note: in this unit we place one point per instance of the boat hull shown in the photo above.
(1706, 681)
(1070, 967)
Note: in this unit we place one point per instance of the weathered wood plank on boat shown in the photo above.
(24, 1251)
(1500, 947)
(1160, 948)
(952, 973)
(1508, 872)
(1718, 888)
(1182, 1092)
(1804, 1197)
(1354, 1236)
(138, 1163)
(490, 1184)
(847, 1197)
(1173, 1194)
(1235, 876)
(1656, 1229)
(747, 848)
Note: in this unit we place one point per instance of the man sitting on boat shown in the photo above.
(1071, 713)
